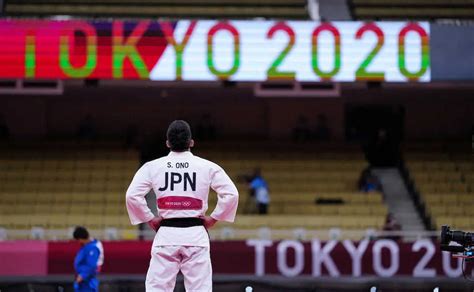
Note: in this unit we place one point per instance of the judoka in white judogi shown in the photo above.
(181, 182)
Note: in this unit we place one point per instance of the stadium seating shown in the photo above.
(297, 178)
(58, 187)
(289, 9)
(444, 180)
(412, 9)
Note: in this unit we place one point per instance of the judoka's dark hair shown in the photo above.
(179, 135)
(80, 233)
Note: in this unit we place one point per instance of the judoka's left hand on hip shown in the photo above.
(209, 222)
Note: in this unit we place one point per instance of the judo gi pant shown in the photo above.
(194, 262)
(89, 286)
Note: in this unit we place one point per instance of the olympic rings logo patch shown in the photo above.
(186, 204)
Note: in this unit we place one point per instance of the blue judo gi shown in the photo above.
(86, 265)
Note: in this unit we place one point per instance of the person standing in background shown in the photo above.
(259, 189)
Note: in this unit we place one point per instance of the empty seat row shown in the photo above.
(443, 181)
(448, 198)
(308, 221)
(343, 210)
(458, 187)
(62, 192)
(452, 210)
(437, 176)
(461, 222)
(59, 221)
(62, 198)
(32, 209)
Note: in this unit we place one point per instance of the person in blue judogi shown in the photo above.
(88, 261)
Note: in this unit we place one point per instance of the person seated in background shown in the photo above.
(322, 131)
(371, 185)
(368, 183)
(391, 224)
(301, 131)
(87, 129)
(88, 261)
(259, 190)
(205, 129)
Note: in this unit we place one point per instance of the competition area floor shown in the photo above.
(222, 283)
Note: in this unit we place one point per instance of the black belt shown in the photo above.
(181, 222)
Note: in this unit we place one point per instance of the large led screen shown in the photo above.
(215, 50)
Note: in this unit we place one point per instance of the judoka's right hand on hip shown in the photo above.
(155, 223)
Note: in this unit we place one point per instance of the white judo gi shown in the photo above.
(181, 182)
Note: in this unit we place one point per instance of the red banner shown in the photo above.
(380, 258)
(23, 258)
(179, 203)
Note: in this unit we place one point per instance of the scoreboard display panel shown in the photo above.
(208, 50)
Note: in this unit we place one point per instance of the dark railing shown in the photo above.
(415, 195)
